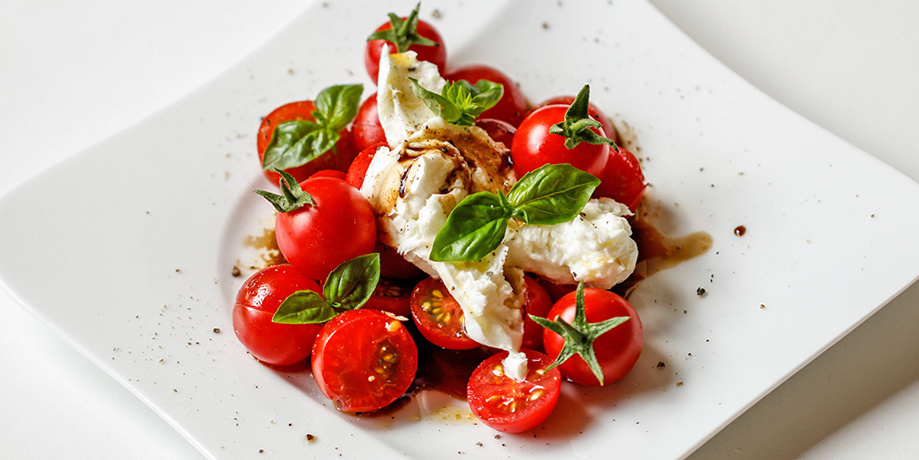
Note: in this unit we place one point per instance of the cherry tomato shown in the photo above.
(366, 129)
(622, 179)
(535, 146)
(617, 350)
(340, 175)
(364, 360)
(536, 302)
(358, 168)
(257, 301)
(436, 55)
(592, 110)
(513, 104)
(510, 405)
(339, 226)
(393, 265)
(339, 159)
(498, 130)
(438, 316)
(392, 295)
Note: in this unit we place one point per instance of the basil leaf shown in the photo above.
(484, 95)
(304, 307)
(440, 105)
(296, 143)
(336, 106)
(460, 102)
(474, 228)
(351, 284)
(551, 194)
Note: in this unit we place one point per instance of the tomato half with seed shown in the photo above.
(536, 301)
(392, 295)
(509, 405)
(257, 301)
(436, 55)
(364, 360)
(622, 179)
(366, 129)
(513, 104)
(617, 350)
(337, 159)
(438, 316)
(592, 110)
(535, 146)
(338, 227)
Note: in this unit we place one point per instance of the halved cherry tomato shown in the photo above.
(366, 129)
(535, 146)
(438, 316)
(339, 159)
(617, 350)
(513, 104)
(436, 55)
(257, 301)
(536, 302)
(364, 360)
(622, 179)
(595, 113)
(338, 227)
(510, 405)
(392, 295)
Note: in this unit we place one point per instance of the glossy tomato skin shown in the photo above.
(592, 110)
(535, 146)
(622, 179)
(436, 55)
(358, 168)
(338, 227)
(509, 405)
(512, 107)
(536, 301)
(257, 301)
(364, 360)
(339, 159)
(617, 350)
(438, 316)
(366, 129)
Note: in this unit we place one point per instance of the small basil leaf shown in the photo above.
(485, 95)
(351, 284)
(336, 106)
(474, 228)
(440, 105)
(551, 194)
(304, 307)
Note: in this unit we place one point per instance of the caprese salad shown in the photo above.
(439, 221)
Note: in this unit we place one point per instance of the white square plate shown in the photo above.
(127, 249)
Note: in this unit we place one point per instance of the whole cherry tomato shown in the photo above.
(513, 104)
(510, 405)
(617, 350)
(364, 360)
(622, 179)
(337, 159)
(433, 52)
(358, 168)
(535, 146)
(257, 301)
(438, 316)
(366, 130)
(536, 301)
(595, 113)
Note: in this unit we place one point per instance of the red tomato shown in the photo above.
(358, 168)
(339, 159)
(617, 350)
(622, 179)
(257, 301)
(592, 110)
(510, 405)
(513, 104)
(340, 175)
(366, 129)
(338, 227)
(364, 360)
(535, 146)
(393, 296)
(536, 302)
(436, 55)
(439, 317)
(498, 130)
(393, 265)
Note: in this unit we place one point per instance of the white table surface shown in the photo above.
(93, 68)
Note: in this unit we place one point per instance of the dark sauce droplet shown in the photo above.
(740, 230)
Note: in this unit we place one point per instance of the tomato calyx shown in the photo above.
(348, 287)
(404, 32)
(292, 197)
(550, 194)
(460, 102)
(576, 127)
(297, 142)
(580, 335)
